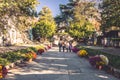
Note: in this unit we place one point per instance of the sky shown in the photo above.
(52, 4)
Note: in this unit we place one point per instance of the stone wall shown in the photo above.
(12, 35)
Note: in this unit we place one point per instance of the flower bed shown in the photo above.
(9, 59)
(114, 61)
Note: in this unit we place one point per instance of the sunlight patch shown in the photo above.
(54, 58)
(102, 76)
(62, 65)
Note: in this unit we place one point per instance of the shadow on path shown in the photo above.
(54, 65)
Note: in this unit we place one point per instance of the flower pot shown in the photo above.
(12, 65)
(30, 60)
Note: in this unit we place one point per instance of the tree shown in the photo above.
(110, 13)
(18, 9)
(81, 29)
(83, 8)
(46, 26)
(79, 15)
(17, 15)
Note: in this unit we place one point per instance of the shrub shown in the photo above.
(23, 51)
(4, 61)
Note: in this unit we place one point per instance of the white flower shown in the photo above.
(104, 59)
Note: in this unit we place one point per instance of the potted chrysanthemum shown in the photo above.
(3, 71)
(40, 51)
(75, 49)
(98, 61)
(82, 53)
(29, 56)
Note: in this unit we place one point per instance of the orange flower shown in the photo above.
(1, 75)
(34, 55)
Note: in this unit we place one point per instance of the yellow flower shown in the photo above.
(0, 67)
(82, 53)
(100, 63)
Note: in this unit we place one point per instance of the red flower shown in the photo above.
(40, 51)
(49, 47)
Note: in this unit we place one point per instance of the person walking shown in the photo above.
(60, 45)
(67, 46)
(63, 45)
(70, 46)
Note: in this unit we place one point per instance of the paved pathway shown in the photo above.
(54, 65)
